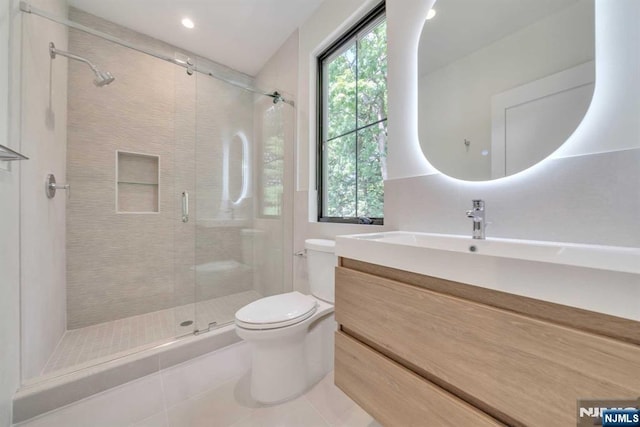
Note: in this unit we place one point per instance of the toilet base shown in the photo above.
(284, 364)
(278, 371)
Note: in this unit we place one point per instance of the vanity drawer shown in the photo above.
(520, 370)
(394, 395)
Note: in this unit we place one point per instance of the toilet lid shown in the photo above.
(276, 311)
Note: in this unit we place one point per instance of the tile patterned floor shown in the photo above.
(105, 341)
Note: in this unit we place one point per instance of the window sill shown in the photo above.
(352, 221)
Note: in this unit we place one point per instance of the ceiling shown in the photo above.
(241, 34)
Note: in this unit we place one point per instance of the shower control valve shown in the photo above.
(51, 187)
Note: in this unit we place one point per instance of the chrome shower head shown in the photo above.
(103, 78)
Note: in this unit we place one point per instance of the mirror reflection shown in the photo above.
(237, 178)
(502, 83)
(238, 152)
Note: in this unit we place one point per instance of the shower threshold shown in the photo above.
(95, 344)
(83, 379)
(51, 393)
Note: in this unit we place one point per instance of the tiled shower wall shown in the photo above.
(125, 264)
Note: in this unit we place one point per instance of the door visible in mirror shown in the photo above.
(501, 83)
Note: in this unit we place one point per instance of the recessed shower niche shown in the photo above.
(138, 178)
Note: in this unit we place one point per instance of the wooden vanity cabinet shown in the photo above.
(420, 351)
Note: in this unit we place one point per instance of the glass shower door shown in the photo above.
(224, 207)
(183, 199)
(129, 276)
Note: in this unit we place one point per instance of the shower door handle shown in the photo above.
(185, 206)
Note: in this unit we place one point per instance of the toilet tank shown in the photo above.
(321, 262)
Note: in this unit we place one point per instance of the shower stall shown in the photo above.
(174, 179)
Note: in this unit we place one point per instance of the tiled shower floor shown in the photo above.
(113, 339)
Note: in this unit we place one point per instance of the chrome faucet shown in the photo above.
(477, 215)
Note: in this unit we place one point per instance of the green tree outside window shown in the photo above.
(354, 125)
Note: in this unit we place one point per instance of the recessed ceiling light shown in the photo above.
(431, 14)
(188, 23)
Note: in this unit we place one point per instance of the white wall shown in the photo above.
(42, 228)
(9, 241)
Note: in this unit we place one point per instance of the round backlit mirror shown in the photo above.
(502, 83)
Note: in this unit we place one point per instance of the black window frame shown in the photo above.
(372, 16)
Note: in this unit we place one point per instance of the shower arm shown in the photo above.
(53, 51)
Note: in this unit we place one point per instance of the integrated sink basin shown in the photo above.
(396, 246)
(605, 279)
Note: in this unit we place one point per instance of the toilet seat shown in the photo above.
(276, 311)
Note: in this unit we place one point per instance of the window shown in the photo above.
(352, 124)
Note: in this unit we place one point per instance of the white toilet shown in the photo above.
(291, 335)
